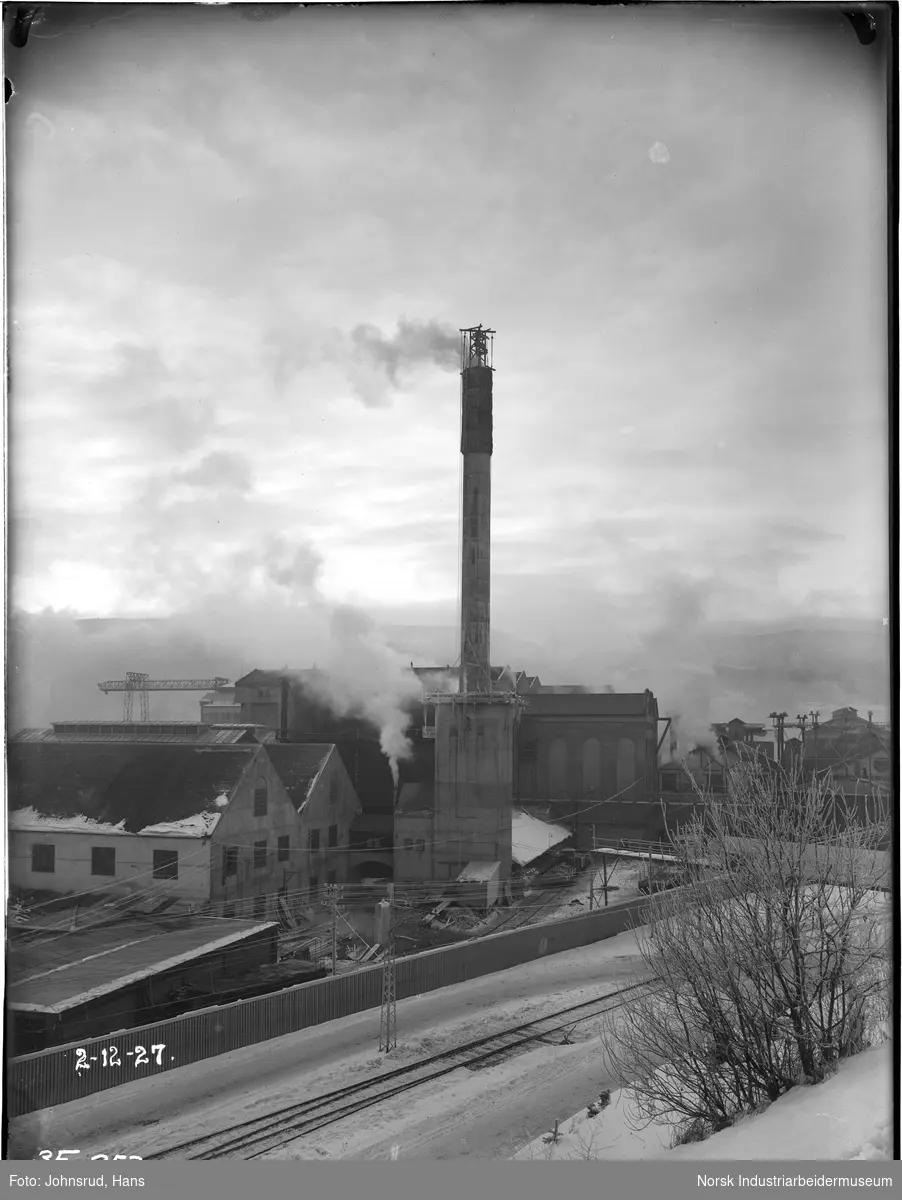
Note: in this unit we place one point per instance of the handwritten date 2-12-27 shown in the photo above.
(111, 1057)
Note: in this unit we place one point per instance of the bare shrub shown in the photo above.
(771, 967)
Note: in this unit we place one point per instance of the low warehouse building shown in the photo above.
(88, 982)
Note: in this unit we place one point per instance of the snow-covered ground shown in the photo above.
(623, 878)
(490, 1113)
(847, 1116)
(485, 1113)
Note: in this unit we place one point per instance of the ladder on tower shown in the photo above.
(140, 684)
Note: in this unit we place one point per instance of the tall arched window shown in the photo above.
(591, 767)
(557, 767)
(626, 763)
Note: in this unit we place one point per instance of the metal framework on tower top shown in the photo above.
(477, 346)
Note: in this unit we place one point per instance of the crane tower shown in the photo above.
(139, 683)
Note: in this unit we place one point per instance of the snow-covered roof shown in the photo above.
(28, 820)
(479, 872)
(531, 837)
(157, 790)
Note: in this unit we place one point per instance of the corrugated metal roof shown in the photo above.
(173, 733)
(125, 784)
(57, 974)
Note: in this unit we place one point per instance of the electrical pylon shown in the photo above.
(388, 1023)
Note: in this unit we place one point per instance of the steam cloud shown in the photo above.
(266, 610)
(278, 613)
(362, 675)
(379, 359)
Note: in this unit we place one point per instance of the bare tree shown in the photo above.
(771, 966)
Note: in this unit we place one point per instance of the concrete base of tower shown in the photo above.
(475, 740)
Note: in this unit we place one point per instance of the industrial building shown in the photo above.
(492, 739)
(89, 980)
(223, 827)
(149, 732)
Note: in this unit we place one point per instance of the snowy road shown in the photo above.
(483, 1114)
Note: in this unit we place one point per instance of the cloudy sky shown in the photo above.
(236, 248)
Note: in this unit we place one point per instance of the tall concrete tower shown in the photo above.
(475, 728)
(476, 447)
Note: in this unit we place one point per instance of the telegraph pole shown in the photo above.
(334, 896)
(592, 880)
(779, 720)
(388, 1024)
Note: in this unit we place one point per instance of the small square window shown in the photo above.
(43, 858)
(408, 843)
(165, 864)
(260, 856)
(421, 845)
(284, 843)
(103, 860)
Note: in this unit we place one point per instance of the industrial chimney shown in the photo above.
(476, 447)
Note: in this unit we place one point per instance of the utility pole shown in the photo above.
(779, 720)
(592, 879)
(388, 1024)
(334, 897)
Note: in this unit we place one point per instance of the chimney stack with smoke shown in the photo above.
(476, 448)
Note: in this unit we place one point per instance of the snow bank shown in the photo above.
(847, 1116)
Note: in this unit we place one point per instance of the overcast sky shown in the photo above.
(674, 219)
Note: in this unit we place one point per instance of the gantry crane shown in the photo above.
(137, 682)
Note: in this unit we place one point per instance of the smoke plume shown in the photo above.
(362, 676)
(277, 619)
(379, 360)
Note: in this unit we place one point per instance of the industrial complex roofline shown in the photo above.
(505, 697)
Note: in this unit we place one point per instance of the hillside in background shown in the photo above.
(713, 673)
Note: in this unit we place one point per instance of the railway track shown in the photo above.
(260, 1135)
